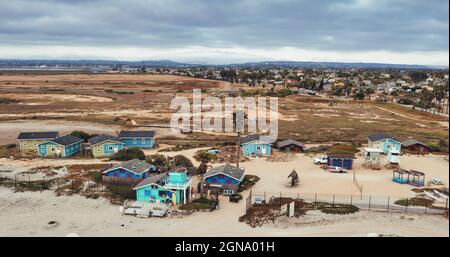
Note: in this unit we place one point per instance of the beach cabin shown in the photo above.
(134, 169)
(416, 147)
(372, 156)
(384, 142)
(140, 139)
(64, 146)
(29, 142)
(171, 187)
(105, 145)
(290, 145)
(393, 156)
(225, 179)
(255, 145)
(341, 160)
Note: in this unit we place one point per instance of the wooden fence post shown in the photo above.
(370, 201)
(407, 203)
(388, 203)
(333, 199)
(315, 198)
(351, 199)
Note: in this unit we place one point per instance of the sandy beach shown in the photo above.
(29, 213)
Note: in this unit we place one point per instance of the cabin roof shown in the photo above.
(38, 135)
(378, 137)
(227, 170)
(155, 179)
(67, 140)
(140, 134)
(411, 142)
(136, 166)
(253, 137)
(102, 138)
(287, 142)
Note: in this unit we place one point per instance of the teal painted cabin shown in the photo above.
(139, 139)
(383, 142)
(105, 145)
(172, 187)
(255, 145)
(65, 146)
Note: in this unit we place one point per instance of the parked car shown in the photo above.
(235, 198)
(321, 160)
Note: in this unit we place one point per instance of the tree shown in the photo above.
(158, 160)
(202, 168)
(81, 134)
(181, 160)
(321, 85)
(129, 154)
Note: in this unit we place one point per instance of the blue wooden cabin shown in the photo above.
(255, 145)
(140, 139)
(64, 146)
(342, 160)
(134, 169)
(225, 178)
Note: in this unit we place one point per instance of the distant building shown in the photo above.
(105, 145)
(134, 169)
(290, 145)
(255, 145)
(140, 139)
(65, 146)
(342, 160)
(384, 142)
(415, 146)
(29, 142)
(226, 179)
(171, 187)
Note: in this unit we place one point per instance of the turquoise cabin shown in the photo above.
(140, 139)
(65, 146)
(173, 187)
(105, 145)
(133, 169)
(255, 145)
(383, 142)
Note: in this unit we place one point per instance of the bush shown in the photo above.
(248, 182)
(204, 156)
(81, 134)
(129, 154)
(181, 160)
(158, 160)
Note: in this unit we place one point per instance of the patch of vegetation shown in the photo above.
(81, 134)
(23, 186)
(338, 148)
(129, 154)
(158, 160)
(181, 160)
(415, 201)
(7, 101)
(318, 149)
(7, 150)
(119, 92)
(198, 204)
(339, 209)
(248, 182)
(204, 156)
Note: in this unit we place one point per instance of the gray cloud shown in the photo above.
(344, 25)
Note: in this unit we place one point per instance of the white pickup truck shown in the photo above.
(321, 160)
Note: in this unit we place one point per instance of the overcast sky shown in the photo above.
(224, 31)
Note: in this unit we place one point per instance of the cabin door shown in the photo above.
(263, 149)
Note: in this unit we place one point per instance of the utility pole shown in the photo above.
(238, 149)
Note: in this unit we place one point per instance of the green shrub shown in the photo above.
(129, 154)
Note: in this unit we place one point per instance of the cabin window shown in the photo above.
(52, 149)
(214, 180)
(98, 149)
(228, 181)
(147, 192)
(161, 193)
(258, 148)
(110, 148)
(134, 142)
(143, 142)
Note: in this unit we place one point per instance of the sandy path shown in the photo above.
(443, 123)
